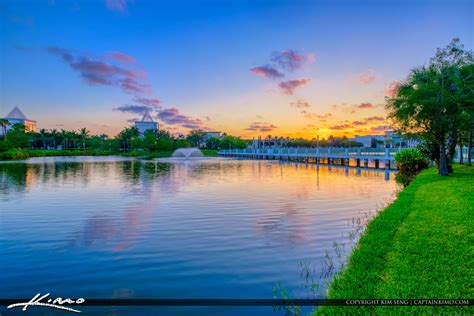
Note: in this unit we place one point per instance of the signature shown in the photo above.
(44, 300)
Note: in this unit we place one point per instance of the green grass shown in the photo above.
(421, 246)
(15, 154)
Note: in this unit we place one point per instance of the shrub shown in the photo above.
(15, 154)
(409, 163)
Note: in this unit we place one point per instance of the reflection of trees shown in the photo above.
(19, 177)
(13, 178)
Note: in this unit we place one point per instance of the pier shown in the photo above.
(355, 157)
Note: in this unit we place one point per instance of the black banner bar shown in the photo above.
(259, 302)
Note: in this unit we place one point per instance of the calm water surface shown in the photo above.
(109, 227)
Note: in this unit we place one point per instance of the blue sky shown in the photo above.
(196, 58)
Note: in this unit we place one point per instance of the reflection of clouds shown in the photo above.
(288, 218)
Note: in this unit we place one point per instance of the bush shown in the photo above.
(409, 163)
(15, 154)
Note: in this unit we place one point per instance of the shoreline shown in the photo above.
(36, 153)
(416, 248)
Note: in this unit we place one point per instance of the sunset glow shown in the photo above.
(245, 68)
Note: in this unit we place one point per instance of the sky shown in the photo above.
(289, 68)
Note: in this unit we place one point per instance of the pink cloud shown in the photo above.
(340, 127)
(267, 72)
(364, 105)
(121, 57)
(136, 109)
(391, 88)
(149, 102)
(134, 87)
(288, 87)
(300, 104)
(260, 127)
(95, 71)
(367, 77)
(172, 116)
(374, 118)
(292, 60)
(380, 129)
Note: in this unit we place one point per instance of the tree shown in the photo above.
(64, 136)
(429, 103)
(43, 134)
(126, 136)
(54, 134)
(196, 137)
(150, 140)
(4, 124)
(213, 143)
(84, 133)
(16, 137)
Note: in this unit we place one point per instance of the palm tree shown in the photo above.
(83, 133)
(103, 137)
(54, 133)
(64, 136)
(3, 124)
(72, 137)
(43, 133)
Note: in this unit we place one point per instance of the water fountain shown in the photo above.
(187, 153)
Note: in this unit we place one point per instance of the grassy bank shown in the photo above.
(418, 247)
(15, 154)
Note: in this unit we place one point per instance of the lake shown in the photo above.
(113, 227)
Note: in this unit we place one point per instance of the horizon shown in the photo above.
(249, 69)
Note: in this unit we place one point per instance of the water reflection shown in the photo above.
(162, 228)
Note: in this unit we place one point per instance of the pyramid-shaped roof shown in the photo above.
(147, 117)
(16, 113)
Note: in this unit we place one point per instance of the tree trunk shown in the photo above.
(443, 160)
(461, 158)
(451, 146)
(469, 147)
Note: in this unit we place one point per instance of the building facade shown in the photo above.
(16, 116)
(146, 124)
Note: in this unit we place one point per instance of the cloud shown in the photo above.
(374, 118)
(300, 104)
(267, 72)
(133, 120)
(367, 77)
(391, 88)
(311, 115)
(173, 117)
(260, 127)
(364, 105)
(380, 128)
(118, 56)
(116, 5)
(340, 127)
(291, 60)
(149, 102)
(358, 123)
(132, 86)
(131, 108)
(95, 71)
(288, 87)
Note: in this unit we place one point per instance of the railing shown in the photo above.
(316, 152)
(327, 152)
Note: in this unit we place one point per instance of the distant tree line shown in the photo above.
(128, 139)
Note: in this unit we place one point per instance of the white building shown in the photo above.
(146, 124)
(212, 134)
(16, 116)
(366, 140)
